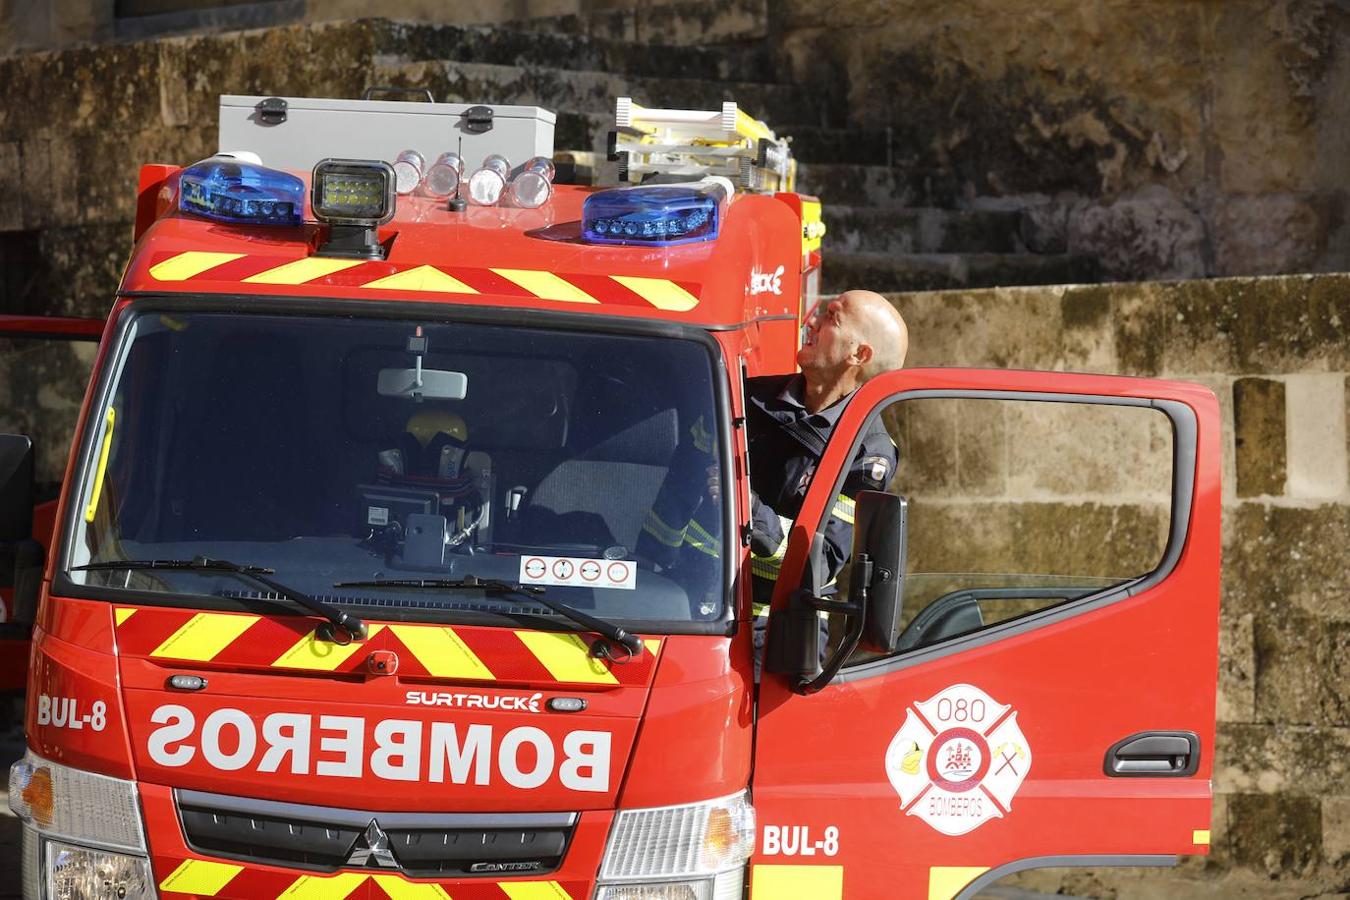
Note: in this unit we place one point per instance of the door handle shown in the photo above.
(1154, 754)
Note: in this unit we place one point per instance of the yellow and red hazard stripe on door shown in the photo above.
(243, 641)
(212, 878)
(377, 275)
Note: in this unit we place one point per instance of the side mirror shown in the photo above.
(876, 582)
(21, 557)
(879, 535)
(16, 487)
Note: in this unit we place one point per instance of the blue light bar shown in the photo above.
(241, 193)
(657, 215)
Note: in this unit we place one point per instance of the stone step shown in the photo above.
(835, 145)
(523, 44)
(887, 186)
(681, 22)
(853, 229)
(896, 272)
(576, 92)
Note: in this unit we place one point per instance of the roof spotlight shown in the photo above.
(353, 197)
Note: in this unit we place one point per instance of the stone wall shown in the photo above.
(1171, 139)
(27, 25)
(1276, 351)
(1153, 138)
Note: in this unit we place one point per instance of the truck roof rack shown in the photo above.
(694, 142)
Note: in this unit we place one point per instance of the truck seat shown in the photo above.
(602, 495)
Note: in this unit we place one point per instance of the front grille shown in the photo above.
(424, 845)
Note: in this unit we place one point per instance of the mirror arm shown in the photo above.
(856, 610)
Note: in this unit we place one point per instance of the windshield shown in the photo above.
(336, 449)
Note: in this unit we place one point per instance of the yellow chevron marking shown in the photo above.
(185, 265)
(422, 278)
(319, 887)
(533, 890)
(122, 613)
(324, 656)
(1201, 837)
(546, 285)
(200, 877)
(442, 652)
(398, 889)
(302, 270)
(204, 635)
(653, 646)
(566, 656)
(945, 882)
(796, 882)
(659, 292)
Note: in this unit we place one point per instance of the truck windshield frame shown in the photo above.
(666, 586)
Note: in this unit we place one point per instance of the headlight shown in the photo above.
(71, 803)
(79, 873)
(692, 852)
(58, 803)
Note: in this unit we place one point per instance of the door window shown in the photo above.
(42, 381)
(1018, 505)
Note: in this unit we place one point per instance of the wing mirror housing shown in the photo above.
(16, 487)
(21, 557)
(875, 598)
(880, 534)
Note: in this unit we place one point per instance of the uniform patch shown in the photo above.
(877, 469)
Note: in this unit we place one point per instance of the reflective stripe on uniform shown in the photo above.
(843, 509)
(769, 566)
(657, 528)
(697, 537)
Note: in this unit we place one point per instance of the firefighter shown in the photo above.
(790, 417)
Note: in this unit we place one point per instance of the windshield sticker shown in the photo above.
(958, 759)
(576, 571)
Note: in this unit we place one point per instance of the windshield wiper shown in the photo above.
(354, 627)
(513, 591)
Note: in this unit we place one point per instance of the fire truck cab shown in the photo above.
(356, 590)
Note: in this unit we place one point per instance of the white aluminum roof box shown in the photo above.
(305, 130)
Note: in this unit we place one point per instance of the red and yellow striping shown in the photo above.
(439, 651)
(212, 878)
(377, 275)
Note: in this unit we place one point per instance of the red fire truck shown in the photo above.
(347, 596)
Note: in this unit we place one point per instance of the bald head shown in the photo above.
(878, 325)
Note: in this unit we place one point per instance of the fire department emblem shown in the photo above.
(958, 759)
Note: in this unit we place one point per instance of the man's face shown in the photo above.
(831, 336)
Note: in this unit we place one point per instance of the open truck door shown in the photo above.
(44, 368)
(1035, 686)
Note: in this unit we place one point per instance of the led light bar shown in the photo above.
(241, 192)
(656, 215)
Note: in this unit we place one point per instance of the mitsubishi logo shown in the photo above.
(372, 849)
